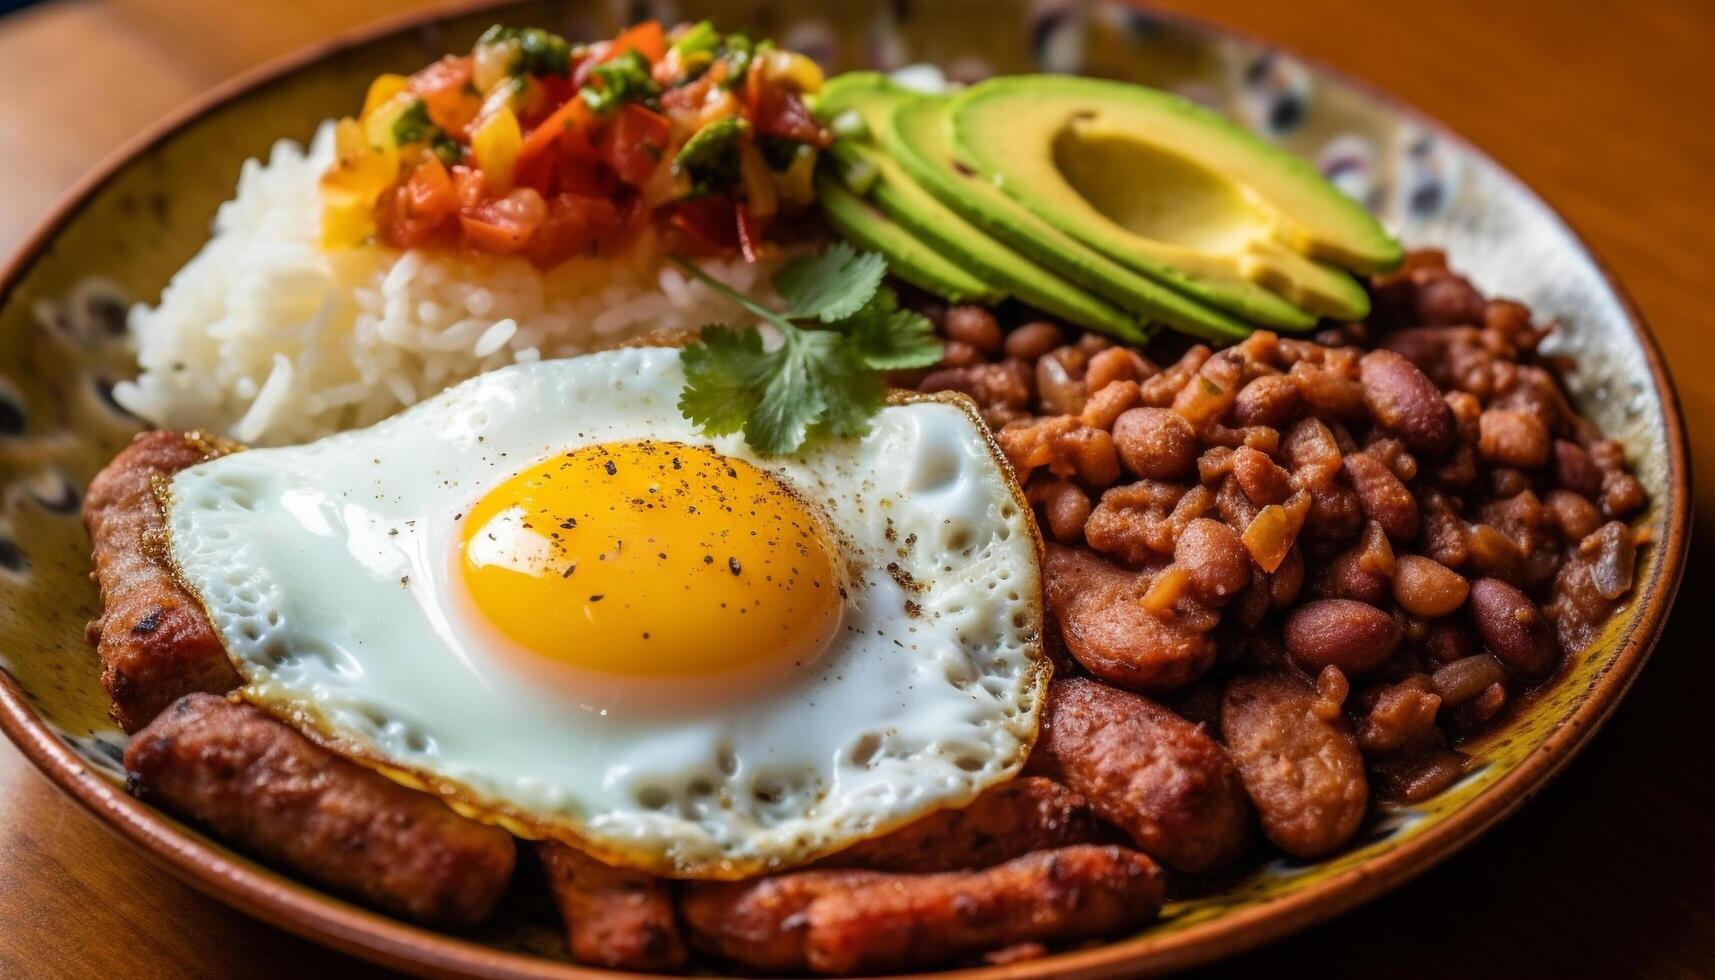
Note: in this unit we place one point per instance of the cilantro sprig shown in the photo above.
(840, 331)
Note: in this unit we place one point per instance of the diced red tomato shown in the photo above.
(634, 144)
(577, 225)
(776, 111)
(445, 90)
(749, 233)
(705, 225)
(418, 211)
(468, 186)
(563, 135)
(646, 38)
(504, 225)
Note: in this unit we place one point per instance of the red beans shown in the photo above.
(1215, 559)
(1032, 340)
(1404, 401)
(1270, 400)
(1511, 627)
(1575, 470)
(975, 326)
(1347, 634)
(1508, 437)
(1155, 443)
(1466, 678)
(1383, 497)
(1425, 587)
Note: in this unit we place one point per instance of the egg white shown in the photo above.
(325, 570)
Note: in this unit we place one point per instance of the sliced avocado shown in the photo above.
(1175, 191)
(908, 258)
(917, 137)
(873, 97)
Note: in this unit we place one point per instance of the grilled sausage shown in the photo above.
(154, 641)
(1027, 814)
(265, 788)
(843, 922)
(1107, 629)
(1156, 776)
(1303, 771)
(616, 918)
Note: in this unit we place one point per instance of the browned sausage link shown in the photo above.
(153, 639)
(615, 917)
(265, 788)
(898, 924)
(1302, 770)
(1099, 608)
(842, 922)
(1156, 776)
(1014, 818)
(761, 923)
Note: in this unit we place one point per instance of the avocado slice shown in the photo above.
(907, 258)
(1175, 191)
(873, 97)
(917, 137)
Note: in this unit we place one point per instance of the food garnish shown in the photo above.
(533, 146)
(840, 331)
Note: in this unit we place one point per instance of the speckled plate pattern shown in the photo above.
(120, 235)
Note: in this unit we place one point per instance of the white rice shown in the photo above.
(267, 338)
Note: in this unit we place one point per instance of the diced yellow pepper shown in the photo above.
(495, 145)
(381, 90)
(349, 187)
(758, 181)
(346, 221)
(795, 186)
(792, 67)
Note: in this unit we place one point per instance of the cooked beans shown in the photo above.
(1032, 340)
(1155, 443)
(1408, 511)
(1425, 587)
(1508, 437)
(1466, 678)
(1344, 633)
(1404, 401)
(1511, 626)
(975, 326)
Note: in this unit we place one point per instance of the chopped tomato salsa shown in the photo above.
(533, 146)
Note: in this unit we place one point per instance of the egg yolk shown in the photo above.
(652, 558)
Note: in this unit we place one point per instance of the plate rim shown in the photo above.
(327, 919)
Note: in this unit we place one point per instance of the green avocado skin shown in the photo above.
(909, 258)
(917, 137)
(1018, 104)
(943, 230)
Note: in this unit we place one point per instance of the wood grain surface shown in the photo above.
(1607, 109)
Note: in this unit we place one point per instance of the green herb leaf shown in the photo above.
(795, 392)
(536, 51)
(699, 39)
(414, 126)
(722, 378)
(831, 286)
(886, 338)
(816, 381)
(855, 394)
(624, 79)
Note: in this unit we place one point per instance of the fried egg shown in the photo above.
(544, 595)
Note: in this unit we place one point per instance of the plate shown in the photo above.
(122, 232)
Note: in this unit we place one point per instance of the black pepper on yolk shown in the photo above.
(652, 558)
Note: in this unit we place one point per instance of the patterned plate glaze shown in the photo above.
(123, 232)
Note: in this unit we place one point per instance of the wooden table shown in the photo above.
(1605, 109)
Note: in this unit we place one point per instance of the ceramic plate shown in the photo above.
(119, 236)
